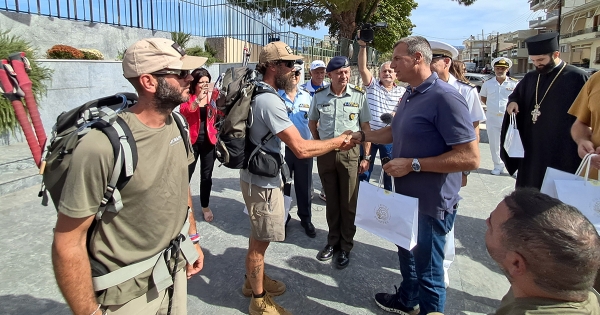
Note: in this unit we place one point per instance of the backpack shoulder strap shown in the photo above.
(125, 162)
(184, 129)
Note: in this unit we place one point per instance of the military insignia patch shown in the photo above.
(358, 88)
(320, 89)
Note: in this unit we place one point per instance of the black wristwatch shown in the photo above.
(367, 158)
(466, 173)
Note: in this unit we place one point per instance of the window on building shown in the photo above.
(597, 60)
(522, 45)
(563, 48)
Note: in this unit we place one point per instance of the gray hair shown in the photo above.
(384, 64)
(560, 245)
(417, 44)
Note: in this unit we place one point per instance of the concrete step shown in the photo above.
(17, 168)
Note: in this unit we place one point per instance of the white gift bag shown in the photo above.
(512, 142)
(387, 214)
(287, 204)
(582, 194)
(552, 174)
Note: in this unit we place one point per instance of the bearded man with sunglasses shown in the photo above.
(263, 195)
(153, 225)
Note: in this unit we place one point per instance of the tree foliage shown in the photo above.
(343, 17)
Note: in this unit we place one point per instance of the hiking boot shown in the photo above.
(266, 306)
(272, 287)
(391, 303)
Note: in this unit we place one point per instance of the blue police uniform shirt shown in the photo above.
(298, 111)
(428, 122)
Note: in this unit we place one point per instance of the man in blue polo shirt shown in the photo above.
(297, 101)
(433, 142)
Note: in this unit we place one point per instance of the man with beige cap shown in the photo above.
(153, 231)
(263, 195)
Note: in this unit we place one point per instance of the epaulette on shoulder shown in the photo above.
(511, 78)
(321, 89)
(303, 88)
(358, 88)
(466, 83)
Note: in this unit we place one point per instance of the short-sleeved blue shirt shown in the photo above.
(298, 110)
(428, 122)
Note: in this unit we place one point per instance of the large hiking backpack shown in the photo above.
(239, 86)
(71, 126)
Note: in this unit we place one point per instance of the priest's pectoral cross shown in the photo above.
(535, 113)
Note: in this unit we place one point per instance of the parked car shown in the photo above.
(470, 66)
(477, 79)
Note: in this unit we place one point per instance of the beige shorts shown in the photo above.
(266, 211)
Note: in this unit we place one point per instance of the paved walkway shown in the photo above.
(27, 285)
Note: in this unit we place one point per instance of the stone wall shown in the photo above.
(44, 32)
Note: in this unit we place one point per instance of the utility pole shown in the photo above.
(560, 3)
(482, 49)
(497, 49)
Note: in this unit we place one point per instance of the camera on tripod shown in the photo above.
(367, 31)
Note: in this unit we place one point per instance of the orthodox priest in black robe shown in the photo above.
(542, 119)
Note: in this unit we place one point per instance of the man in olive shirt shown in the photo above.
(339, 107)
(549, 252)
(155, 200)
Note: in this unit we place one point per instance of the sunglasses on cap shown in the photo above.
(181, 74)
(287, 63)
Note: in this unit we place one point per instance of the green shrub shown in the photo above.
(207, 52)
(92, 54)
(181, 38)
(38, 75)
(64, 52)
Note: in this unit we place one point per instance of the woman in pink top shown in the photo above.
(201, 118)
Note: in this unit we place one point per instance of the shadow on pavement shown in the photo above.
(27, 304)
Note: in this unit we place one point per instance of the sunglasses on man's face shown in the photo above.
(287, 63)
(297, 73)
(181, 74)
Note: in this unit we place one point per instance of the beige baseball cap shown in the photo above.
(153, 54)
(277, 51)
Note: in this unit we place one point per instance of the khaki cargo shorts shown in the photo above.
(266, 211)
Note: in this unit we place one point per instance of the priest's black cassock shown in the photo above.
(547, 142)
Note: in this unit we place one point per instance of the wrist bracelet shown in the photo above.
(97, 308)
(362, 136)
(195, 238)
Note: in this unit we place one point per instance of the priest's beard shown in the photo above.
(545, 69)
(167, 97)
(284, 81)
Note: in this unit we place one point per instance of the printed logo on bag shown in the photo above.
(382, 214)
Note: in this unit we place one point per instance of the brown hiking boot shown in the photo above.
(266, 306)
(273, 287)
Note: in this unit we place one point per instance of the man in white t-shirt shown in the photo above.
(383, 95)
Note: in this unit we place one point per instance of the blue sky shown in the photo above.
(447, 21)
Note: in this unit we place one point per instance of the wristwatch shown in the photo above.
(367, 157)
(416, 166)
(466, 173)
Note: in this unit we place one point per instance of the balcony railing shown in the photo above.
(580, 32)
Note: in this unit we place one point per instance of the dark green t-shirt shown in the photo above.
(540, 306)
(154, 200)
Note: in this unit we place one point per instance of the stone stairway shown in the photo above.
(17, 168)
